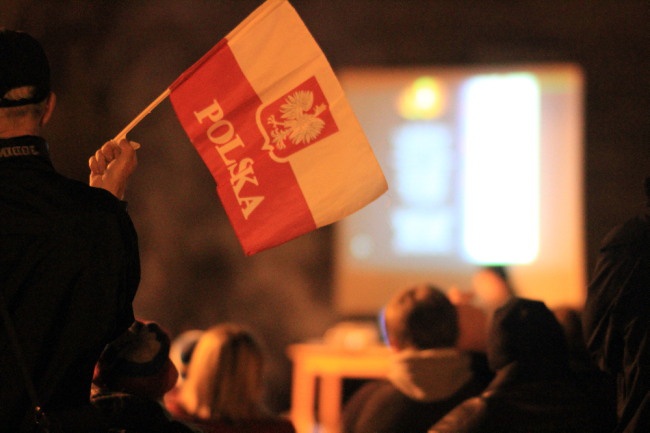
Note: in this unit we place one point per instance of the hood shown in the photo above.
(430, 375)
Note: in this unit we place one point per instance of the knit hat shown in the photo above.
(142, 351)
(22, 63)
(526, 331)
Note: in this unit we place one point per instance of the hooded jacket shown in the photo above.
(421, 387)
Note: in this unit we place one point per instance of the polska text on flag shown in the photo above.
(268, 116)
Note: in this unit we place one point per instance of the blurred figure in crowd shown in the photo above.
(534, 389)
(491, 288)
(429, 375)
(131, 377)
(180, 352)
(224, 387)
(616, 318)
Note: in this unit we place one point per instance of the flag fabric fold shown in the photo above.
(267, 115)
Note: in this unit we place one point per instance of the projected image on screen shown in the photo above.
(484, 168)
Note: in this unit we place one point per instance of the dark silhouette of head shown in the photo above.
(527, 332)
(421, 317)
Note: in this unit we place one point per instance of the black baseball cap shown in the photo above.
(22, 63)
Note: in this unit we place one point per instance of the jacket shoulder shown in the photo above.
(464, 418)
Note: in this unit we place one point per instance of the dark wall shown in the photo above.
(111, 58)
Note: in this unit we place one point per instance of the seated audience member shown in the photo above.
(428, 374)
(472, 321)
(131, 377)
(491, 288)
(223, 390)
(181, 350)
(596, 383)
(534, 390)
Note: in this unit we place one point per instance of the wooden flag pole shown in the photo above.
(122, 135)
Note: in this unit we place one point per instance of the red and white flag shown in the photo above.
(269, 118)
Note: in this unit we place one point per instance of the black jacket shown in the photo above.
(127, 413)
(520, 400)
(69, 270)
(616, 320)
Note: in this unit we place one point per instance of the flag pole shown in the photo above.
(122, 135)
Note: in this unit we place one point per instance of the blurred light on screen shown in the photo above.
(423, 99)
(362, 245)
(493, 175)
(500, 138)
(422, 221)
(422, 157)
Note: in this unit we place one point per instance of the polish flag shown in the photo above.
(268, 116)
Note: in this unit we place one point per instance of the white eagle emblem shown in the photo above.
(300, 123)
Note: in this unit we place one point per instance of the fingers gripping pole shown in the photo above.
(139, 117)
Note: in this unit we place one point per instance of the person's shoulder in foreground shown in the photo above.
(616, 319)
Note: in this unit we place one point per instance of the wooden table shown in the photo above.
(329, 365)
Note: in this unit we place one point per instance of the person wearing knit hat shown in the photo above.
(131, 378)
(534, 389)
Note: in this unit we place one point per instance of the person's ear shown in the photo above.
(50, 103)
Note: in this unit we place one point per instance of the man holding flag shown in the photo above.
(267, 115)
(69, 261)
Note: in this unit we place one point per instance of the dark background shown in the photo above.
(111, 58)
